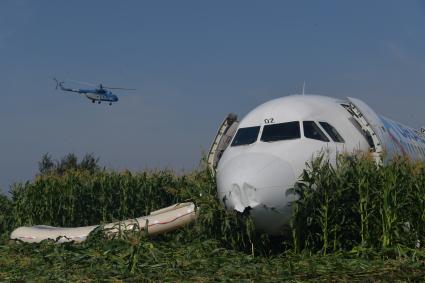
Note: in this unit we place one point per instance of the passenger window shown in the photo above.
(282, 131)
(246, 136)
(332, 132)
(312, 131)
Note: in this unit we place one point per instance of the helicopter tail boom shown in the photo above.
(60, 85)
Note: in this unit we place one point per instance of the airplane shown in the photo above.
(99, 94)
(257, 159)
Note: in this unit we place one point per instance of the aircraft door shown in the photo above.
(222, 140)
(371, 124)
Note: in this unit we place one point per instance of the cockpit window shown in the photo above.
(312, 131)
(332, 132)
(282, 131)
(246, 136)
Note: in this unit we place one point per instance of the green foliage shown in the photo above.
(47, 165)
(353, 221)
(173, 259)
(5, 214)
(80, 198)
(352, 205)
(357, 204)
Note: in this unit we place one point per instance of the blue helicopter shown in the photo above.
(99, 94)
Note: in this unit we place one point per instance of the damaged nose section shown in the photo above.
(243, 198)
(256, 183)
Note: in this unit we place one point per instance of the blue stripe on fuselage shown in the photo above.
(402, 132)
(102, 97)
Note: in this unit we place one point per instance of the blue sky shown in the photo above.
(191, 62)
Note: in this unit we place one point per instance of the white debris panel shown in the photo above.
(158, 222)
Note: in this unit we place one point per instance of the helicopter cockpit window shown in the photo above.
(312, 131)
(332, 132)
(246, 136)
(282, 131)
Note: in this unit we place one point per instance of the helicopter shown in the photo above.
(99, 94)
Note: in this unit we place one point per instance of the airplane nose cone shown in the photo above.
(258, 182)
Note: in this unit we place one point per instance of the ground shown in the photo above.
(199, 261)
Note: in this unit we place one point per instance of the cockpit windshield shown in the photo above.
(332, 132)
(312, 131)
(246, 136)
(282, 131)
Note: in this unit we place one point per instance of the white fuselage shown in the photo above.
(257, 169)
(109, 97)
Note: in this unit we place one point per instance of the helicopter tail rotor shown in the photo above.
(58, 83)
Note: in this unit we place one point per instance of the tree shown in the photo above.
(5, 214)
(46, 164)
(89, 163)
(68, 162)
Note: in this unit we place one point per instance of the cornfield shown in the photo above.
(357, 204)
(80, 198)
(351, 219)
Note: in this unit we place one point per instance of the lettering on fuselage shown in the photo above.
(269, 121)
(407, 140)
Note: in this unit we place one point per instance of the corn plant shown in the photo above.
(356, 203)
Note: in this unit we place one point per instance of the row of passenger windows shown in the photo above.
(287, 131)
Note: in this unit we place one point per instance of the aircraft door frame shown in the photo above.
(222, 140)
(370, 123)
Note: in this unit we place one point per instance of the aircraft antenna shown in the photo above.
(303, 88)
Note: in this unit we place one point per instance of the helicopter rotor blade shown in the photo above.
(122, 88)
(83, 83)
(126, 93)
